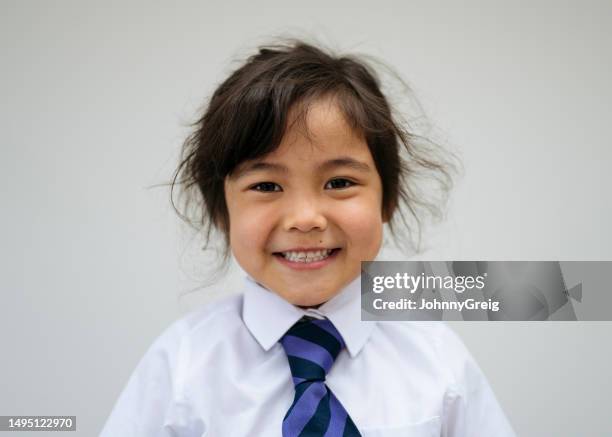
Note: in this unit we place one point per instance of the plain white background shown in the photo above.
(95, 97)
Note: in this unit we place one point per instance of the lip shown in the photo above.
(306, 249)
(295, 265)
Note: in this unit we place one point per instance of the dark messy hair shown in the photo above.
(247, 117)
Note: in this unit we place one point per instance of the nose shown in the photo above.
(304, 213)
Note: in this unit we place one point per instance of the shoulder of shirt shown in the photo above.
(441, 341)
(208, 323)
(226, 311)
(436, 332)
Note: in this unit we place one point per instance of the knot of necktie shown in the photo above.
(312, 346)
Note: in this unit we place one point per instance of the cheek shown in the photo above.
(244, 233)
(362, 222)
(250, 229)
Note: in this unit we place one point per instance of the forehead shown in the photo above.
(317, 138)
(319, 129)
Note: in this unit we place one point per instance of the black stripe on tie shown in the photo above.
(319, 422)
(314, 334)
(306, 369)
(350, 430)
(299, 391)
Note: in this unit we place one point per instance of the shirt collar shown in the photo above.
(268, 316)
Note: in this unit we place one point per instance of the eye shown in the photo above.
(339, 183)
(266, 187)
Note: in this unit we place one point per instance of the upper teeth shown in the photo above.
(310, 256)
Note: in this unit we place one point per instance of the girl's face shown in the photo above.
(304, 217)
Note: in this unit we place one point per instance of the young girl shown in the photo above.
(297, 163)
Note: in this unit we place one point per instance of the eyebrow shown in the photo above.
(341, 162)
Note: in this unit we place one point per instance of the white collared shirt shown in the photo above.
(220, 371)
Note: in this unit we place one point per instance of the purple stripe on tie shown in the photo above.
(337, 417)
(304, 409)
(298, 347)
(330, 328)
(297, 380)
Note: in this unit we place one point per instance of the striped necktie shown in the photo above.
(311, 346)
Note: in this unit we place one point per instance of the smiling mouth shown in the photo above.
(307, 256)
